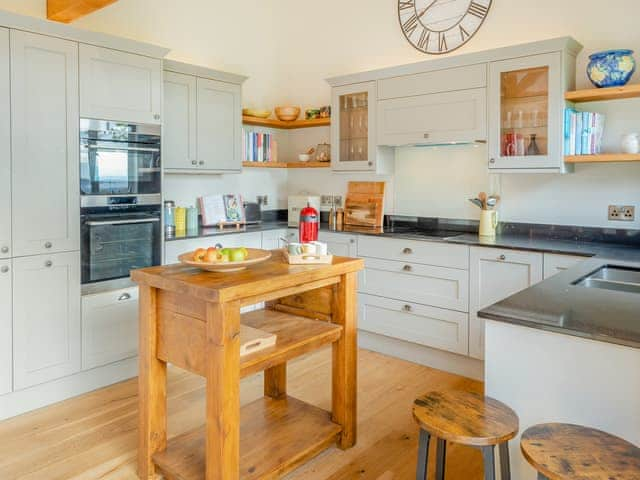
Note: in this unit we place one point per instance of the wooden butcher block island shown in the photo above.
(191, 319)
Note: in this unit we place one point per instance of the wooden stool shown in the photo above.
(559, 451)
(468, 419)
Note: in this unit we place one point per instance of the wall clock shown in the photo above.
(441, 26)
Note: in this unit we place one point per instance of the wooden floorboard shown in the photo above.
(94, 436)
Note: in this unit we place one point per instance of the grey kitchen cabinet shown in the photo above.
(556, 263)
(5, 146)
(341, 244)
(494, 275)
(46, 318)
(180, 119)
(412, 322)
(6, 326)
(44, 136)
(109, 327)
(446, 117)
(219, 126)
(120, 86)
(272, 239)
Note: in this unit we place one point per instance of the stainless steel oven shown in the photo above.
(119, 158)
(119, 234)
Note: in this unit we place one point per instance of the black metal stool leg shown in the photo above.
(423, 455)
(441, 457)
(505, 466)
(489, 463)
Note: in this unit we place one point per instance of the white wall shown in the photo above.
(288, 47)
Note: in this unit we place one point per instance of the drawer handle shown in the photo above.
(48, 263)
(407, 251)
(5, 250)
(156, 116)
(123, 297)
(426, 135)
(4, 269)
(407, 308)
(47, 245)
(492, 161)
(194, 162)
(201, 162)
(352, 240)
(502, 257)
(407, 268)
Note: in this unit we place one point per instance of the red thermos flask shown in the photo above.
(309, 221)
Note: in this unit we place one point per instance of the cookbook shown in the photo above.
(216, 209)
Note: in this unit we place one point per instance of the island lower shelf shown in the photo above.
(276, 436)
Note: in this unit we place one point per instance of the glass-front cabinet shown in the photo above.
(353, 127)
(526, 111)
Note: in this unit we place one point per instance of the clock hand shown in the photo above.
(427, 8)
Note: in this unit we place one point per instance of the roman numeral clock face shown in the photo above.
(441, 26)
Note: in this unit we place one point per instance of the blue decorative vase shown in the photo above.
(612, 68)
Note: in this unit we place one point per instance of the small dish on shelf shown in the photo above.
(287, 113)
(257, 113)
(304, 157)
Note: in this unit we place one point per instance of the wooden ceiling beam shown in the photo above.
(66, 11)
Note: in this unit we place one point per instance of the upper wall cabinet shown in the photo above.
(44, 135)
(353, 129)
(180, 118)
(120, 86)
(5, 147)
(526, 99)
(203, 120)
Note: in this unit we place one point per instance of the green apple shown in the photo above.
(238, 255)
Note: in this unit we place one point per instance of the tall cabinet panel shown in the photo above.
(6, 350)
(46, 318)
(219, 121)
(5, 148)
(180, 118)
(44, 134)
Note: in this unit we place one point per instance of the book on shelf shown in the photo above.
(259, 147)
(583, 132)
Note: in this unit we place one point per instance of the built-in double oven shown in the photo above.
(120, 187)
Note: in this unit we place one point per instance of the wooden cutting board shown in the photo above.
(253, 340)
(364, 204)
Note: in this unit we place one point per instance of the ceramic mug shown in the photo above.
(294, 248)
(309, 249)
(321, 248)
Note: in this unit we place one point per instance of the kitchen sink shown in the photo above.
(611, 277)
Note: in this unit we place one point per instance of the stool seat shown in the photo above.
(465, 418)
(561, 451)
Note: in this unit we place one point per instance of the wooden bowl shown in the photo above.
(251, 112)
(287, 114)
(255, 256)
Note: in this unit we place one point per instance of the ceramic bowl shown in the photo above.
(304, 157)
(287, 114)
(252, 112)
(611, 68)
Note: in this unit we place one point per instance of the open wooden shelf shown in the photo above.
(600, 94)
(275, 123)
(275, 437)
(603, 158)
(182, 337)
(286, 164)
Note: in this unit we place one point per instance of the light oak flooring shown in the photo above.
(94, 436)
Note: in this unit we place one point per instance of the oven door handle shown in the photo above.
(122, 222)
(124, 149)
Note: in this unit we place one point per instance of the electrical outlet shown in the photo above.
(337, 201)
(326, 200)
(622, 213)
(263, 200)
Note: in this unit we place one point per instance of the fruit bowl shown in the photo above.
(253, 112)
(287, 114)
(254, 256)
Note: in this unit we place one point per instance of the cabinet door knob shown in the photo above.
(47, 245)
(492, 161)
(353, 240)
(201, 162)
(502, 257)
(194, 162)
(407, 268)
(407, 308)
(156, 116)
(48, 263)
(407, 251)
(4, 269)
(5, 250)
(123, 297)
(370, 164)
(426, 135)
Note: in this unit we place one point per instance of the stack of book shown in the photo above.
(259, 147)
(582, 132)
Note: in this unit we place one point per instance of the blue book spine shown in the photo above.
(586, 132)
(567, 131)
(578, 139)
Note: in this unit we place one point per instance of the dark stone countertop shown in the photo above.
(203, 232)
(557, 305)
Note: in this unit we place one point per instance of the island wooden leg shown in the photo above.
(152, 387)
(275, 381)
(345, 360)
(223, 391)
